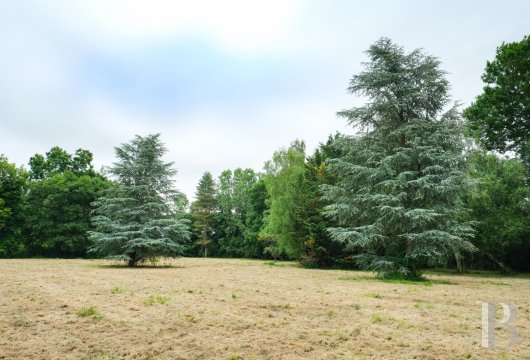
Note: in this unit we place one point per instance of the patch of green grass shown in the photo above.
(156, 299)
(192, 319)
(120, 290)
(234, 296)
(377, 319)
(89, 311)
(478, 273)
(424, 305)
(272, 263)
(104, 355)
(331, 314)
(396, 280)
(33, 298)
(500, 283)
(372, 294)
(424, 282)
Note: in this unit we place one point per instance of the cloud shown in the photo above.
(234, 25)
(226, 83)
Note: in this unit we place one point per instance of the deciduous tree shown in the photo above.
(284, 175)
(13, 184)
(500, 116)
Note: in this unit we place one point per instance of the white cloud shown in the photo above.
(48, 95)
(234, 25)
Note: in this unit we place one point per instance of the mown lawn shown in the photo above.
(243, 309)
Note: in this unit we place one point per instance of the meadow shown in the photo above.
(195, 308)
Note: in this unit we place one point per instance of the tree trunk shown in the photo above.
(205, 251)
(459, 263)
(131, 263)
(505, 269)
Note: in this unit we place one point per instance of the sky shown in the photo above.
(226, 83)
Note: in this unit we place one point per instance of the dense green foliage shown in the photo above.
(398, 198)
(500, 203)
(236, 198)
(284, 175)
(318, 248)
(500, 117)
(13, 186)
(136, 218)
(57, 215)
(58, 161)
(57, 206)
(49, 206)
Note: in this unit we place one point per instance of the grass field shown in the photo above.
(242, 309)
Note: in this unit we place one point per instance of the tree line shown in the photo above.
(419, 185)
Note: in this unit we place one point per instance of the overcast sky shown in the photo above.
(226, 83)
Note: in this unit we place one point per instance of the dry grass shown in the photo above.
(241, 309)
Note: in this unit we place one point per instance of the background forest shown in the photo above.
(419, 185)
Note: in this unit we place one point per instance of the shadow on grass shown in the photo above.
(424, 282)
(477, 273)
(142, 266)
(272, 263)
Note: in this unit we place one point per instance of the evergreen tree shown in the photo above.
(135, 220)
(398, 198)
(204, 211)
(318, 250)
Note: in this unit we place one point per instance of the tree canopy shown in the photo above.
(135, 219)
(13, 185)
(500, 204)
(399, 189)
(500, 116)
(283, 177)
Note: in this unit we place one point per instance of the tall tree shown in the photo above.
(13, 184)
(318, 250)
(57, 213)
(58, 202)
(283, 177)
(135, 219)
(182, 205)
(500, 204)
(398, 198)
(234, 198)
(58, 160)
(500, 117)
(204, 211)
(255, 219)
